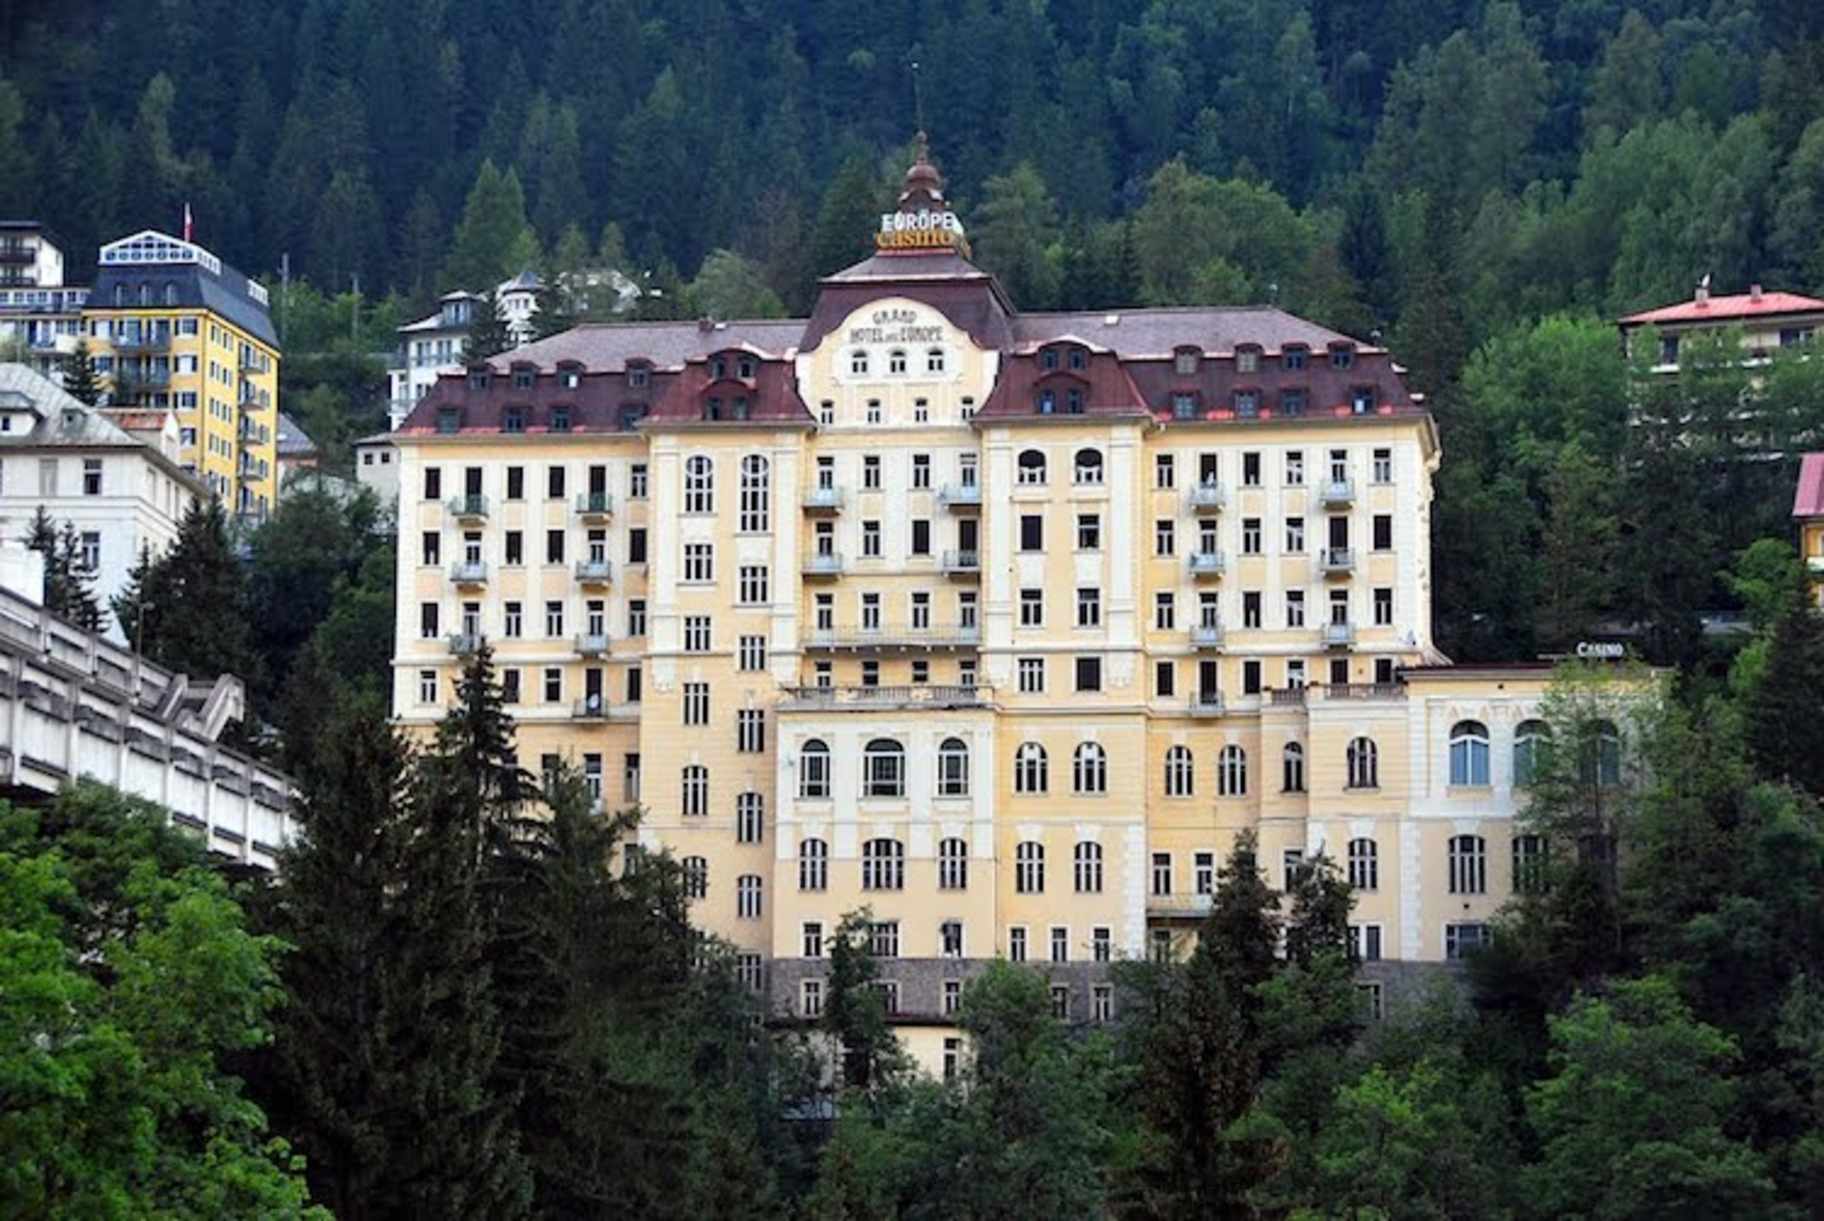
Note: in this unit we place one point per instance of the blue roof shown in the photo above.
(188, 285)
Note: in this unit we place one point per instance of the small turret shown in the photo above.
(923, 221)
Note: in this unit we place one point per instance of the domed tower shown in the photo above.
(923, 221)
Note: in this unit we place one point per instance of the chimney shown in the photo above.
(1703, 292)
(1754, 292)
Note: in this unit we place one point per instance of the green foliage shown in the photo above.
(730, 285)
(130, 980)
(489, 336)
(68, 581)
(1785, 736)
(186, 609)
(79, 377)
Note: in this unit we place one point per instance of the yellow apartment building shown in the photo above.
(1001, 625)
(173, 327)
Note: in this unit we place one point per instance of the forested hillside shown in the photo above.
(1440, 173)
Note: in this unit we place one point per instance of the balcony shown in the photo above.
(963, 563)
(869, 699)
(823, 564)
(1337, 561)
(594, 572)
(597, 708)
(1206, 703)
(1364, 691)
(1207, 563)
(1207, 637)
(960, 496)
(471, 506)
(1179, 906)
(156, 341)
(469, 572)
(254, 362)
(18, 253)
(1286, 697)
(894, 636)
(1209, 497)
(823, 500)
(1337, 494)
(595, 506)
(592, 645)
(464, 643)
(1339, 635)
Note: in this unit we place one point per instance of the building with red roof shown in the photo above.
(1769, 320)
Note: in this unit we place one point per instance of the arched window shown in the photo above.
(934, 360)
(696, 877)
(896, 361)
(858, 362)
(1079, 359)
(120, 294)
(1089, 868)
(1232, 772)
(744, 366)
(1469, 753)
(1089, 768)
(953, 768)
(1029, 768)
(883, 769)
(750, 818)
(696, 790)
(1364, 764)
(145, 294)
(1029, 868)
(1032, 466)
(1089, 466)
(1048, 359)
(170, 293)
(755, 495)
(813, 864)
(1180, 777)
(883, 865)
(1364, 865)
(953, 864)
(1468, 865)
(814, 771)
(1602, 755)
(699, 485)
(747, 896)
(1529, 738)
(1529, 864)
(1292, 762)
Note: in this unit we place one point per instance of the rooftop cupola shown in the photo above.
(923, 221)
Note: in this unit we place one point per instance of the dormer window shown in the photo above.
(896, 361)
(712, 408)
(744, 367)
(1184, 361)
(1048, 402)
(478, 379)
(1079, 359)
(1247, 403)
(1361, 400)
(1342, 356)
(449, 420)
(513, 419)
(1073, 401)
(1247, 359)
(1184, 406)
(560, 419)
(637, 376)
(718, 369)
(1293, 356)
(1048, 359)
(570, 379)
(631, 415)
(738, 407)
(1292, 402)
(523, 378)
(858, 363)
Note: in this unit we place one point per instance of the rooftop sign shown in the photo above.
(920, 230)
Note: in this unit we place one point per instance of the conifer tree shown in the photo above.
(489, 336)
(80, 380)
(1785, 732)
(68, 583)
(187, 609)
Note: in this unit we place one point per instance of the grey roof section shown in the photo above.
(293, 441)
(525, 281)
(375, 438)
(608, 346)
(226, 294)
(1139, 333)
(63, 418)
(938, 265)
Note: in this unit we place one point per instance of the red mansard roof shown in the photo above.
(1719, 309)
(1808, 501)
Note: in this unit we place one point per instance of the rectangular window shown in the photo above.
(1032, 532)
(1101, 1003)
(699, 562)
(1250, 470)
(753, 585)
(91, 476)
(1102, 943)
(1165, 611)
(696, 633)
(1250, 608)
(554, 483)
(953, 996)
(1164, 537)
(554, 685)
(870, 540)
(1165, 679)
(554, 546)
(921, 536)
(1250, 677)
(1089, 607)
(427, 686)
(950, 938)
(1383, 532)
(1032, 608)
(636, 616)
(1295, 608)
(1162, 873)
(427, 620)
(883, 938)
(1089, 532)
(636, 481)
(1250, 536)
(1295, 467)
(636, 545)
(696, 703)
(1089, 674)
(515, 548)
(433, 547)
(554, 619)
(751, 655)
(1460, 940)
(812, 941)
(870, 612)
(1016, 944)
(509, 686)
(433, 483)
(513, 620)
(750, 731)
(1383, 466)
(1204, 874)
(1164, 473)
(810, 998)
(1365, 942)
(870, 472)
(1295, 534)
(921, 471)
(1383, 607)
(1031, 675)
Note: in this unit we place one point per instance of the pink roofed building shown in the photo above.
(1808, 512)
(1768, 320)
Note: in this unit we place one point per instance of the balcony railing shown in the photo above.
(470, 504)
(962, 561)
(917, 695)
(156, 341)
(1337, 493)
(1337, 560)
(595, 504)
(1209, 497)
(1207, 637)
(823, 564)
(1178, 905)
(1339, 635)
(893, 636)
(464, 643)
(10, 253)
(594, 572)
(469, 572)
(1206, 703)
(1365, 691)
(1207, 563)
(960, 495)
(823, 500)
(597, 708)
(592, 644)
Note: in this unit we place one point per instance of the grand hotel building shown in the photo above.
(1001, 625)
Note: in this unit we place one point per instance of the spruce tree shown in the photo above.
(489, 336)
(80, 380)
(136, 607)
(188, 609)
(1785, 732)
(72, 595)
